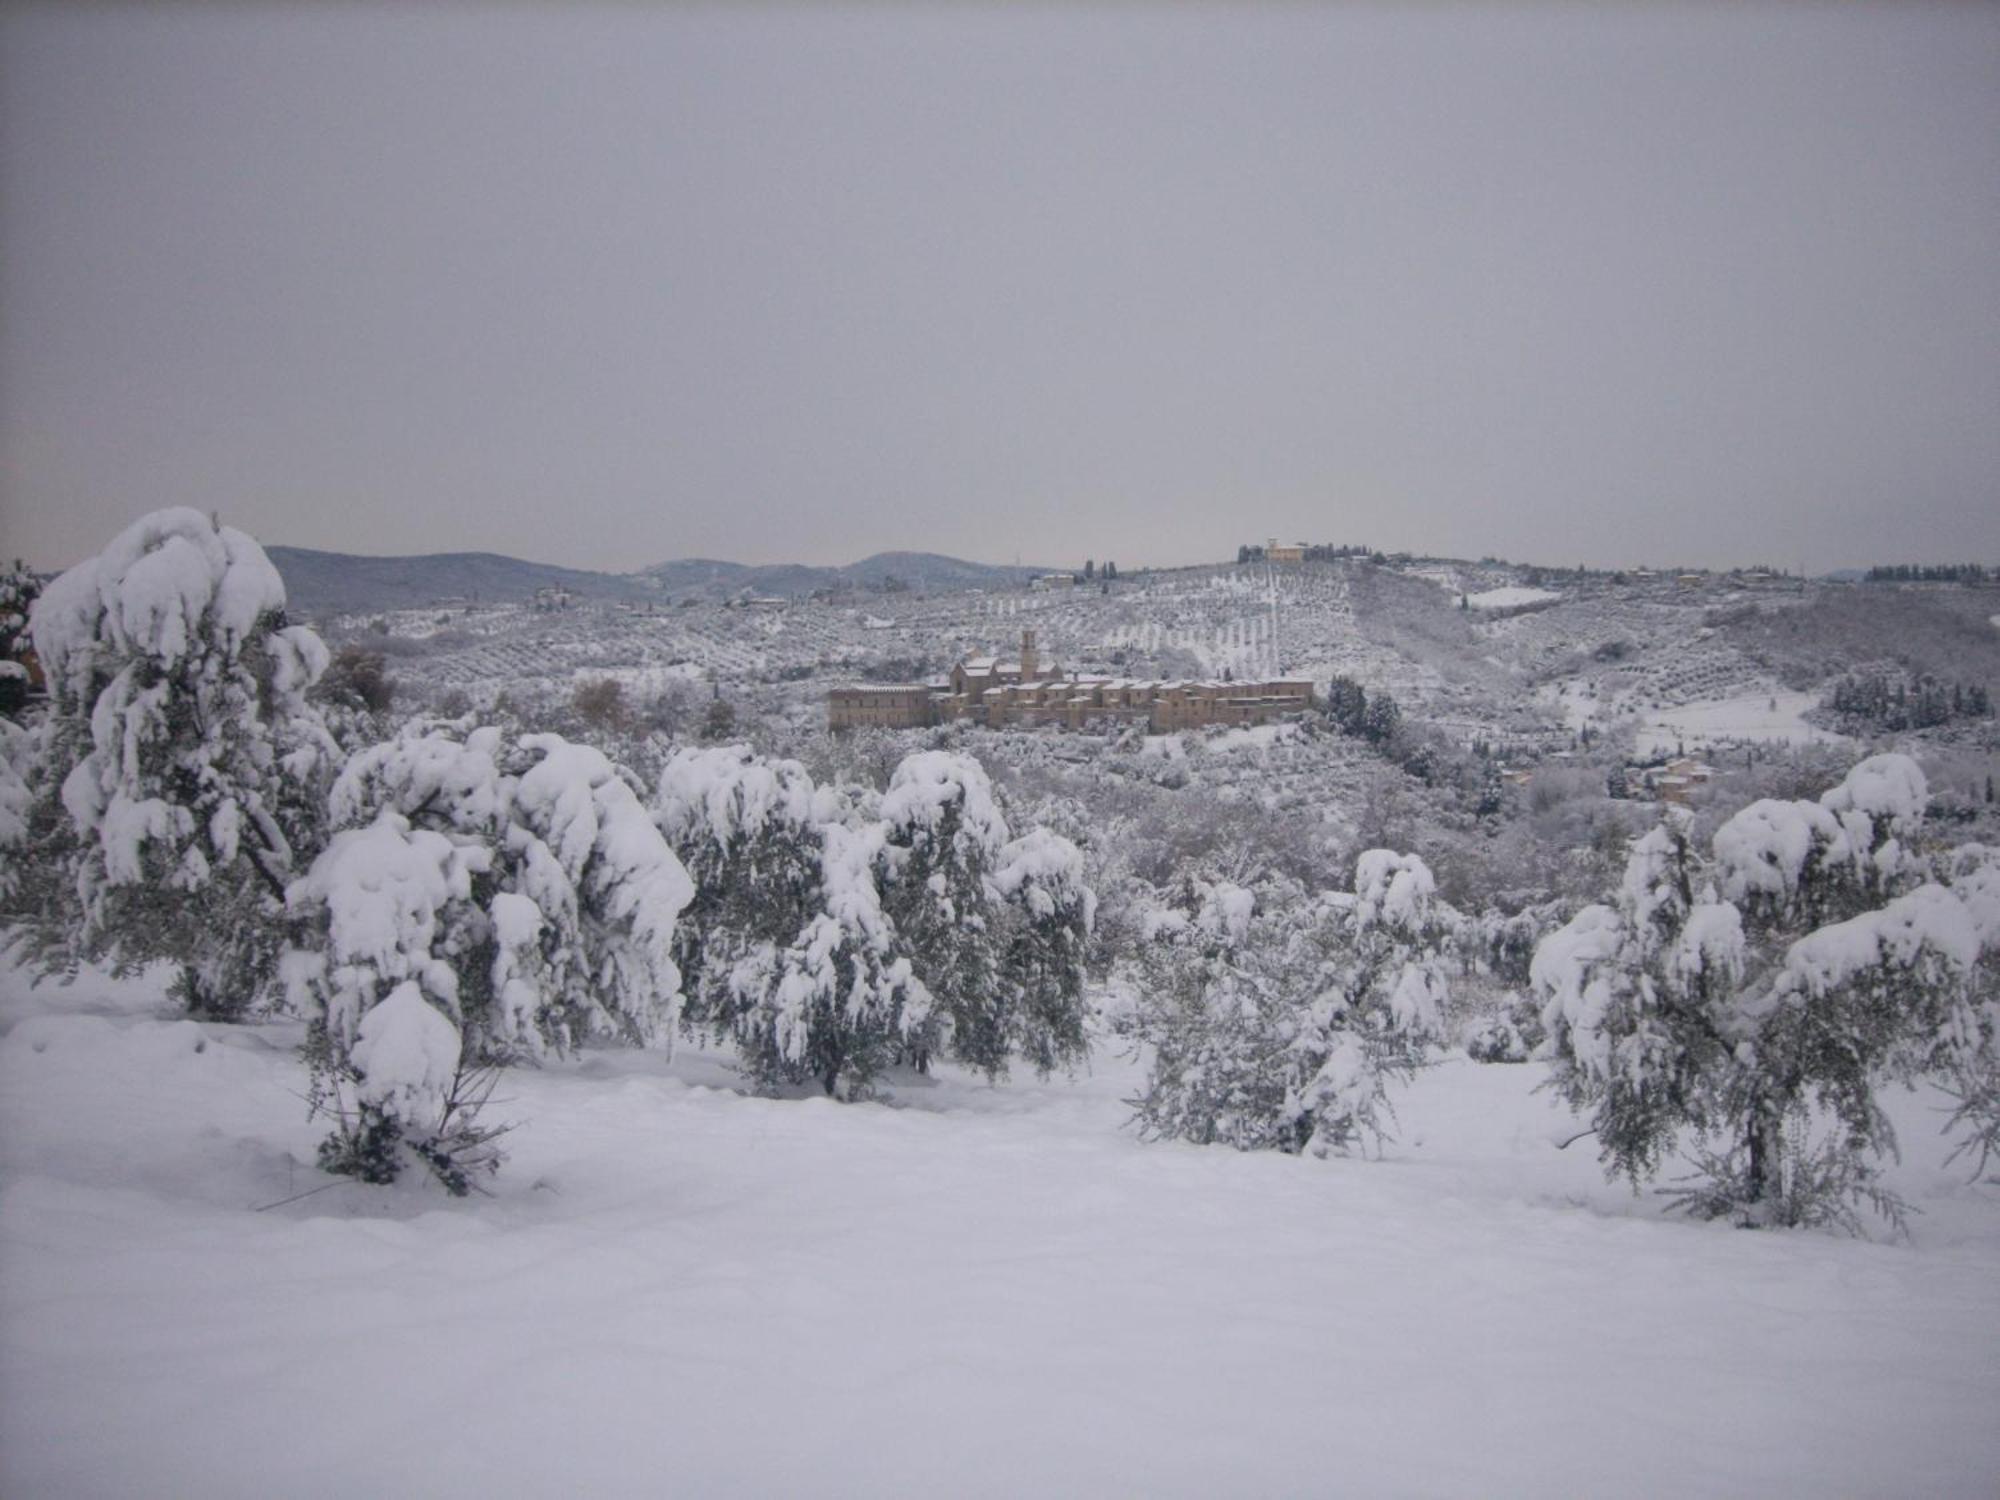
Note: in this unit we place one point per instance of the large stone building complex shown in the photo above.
(1029, 691)
(899, 705)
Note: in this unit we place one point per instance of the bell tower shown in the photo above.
(1030, 666)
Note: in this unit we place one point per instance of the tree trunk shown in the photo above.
(197, 997)
(1767, 1187)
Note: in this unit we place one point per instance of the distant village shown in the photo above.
(1029, 691)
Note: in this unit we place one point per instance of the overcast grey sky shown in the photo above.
(605, 286)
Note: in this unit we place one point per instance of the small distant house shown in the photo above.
(1678, 780)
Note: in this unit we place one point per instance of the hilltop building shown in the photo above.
(1029, 692)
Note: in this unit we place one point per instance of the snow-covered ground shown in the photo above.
(1574, 701)
(675, 1289)
(1257, 737)
(1749, 718)
(1512, 597)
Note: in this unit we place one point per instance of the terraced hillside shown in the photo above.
(1649, 654)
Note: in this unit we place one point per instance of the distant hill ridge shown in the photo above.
(331, 583)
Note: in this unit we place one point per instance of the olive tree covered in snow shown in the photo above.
(1971, 1065)
(747, 831)
(512, 895)
(394, 921)
(17, 799)
(18, 588)
(1046, 909)
(177, 776)
(1756, 995)
(835, 932)
(944, 833)
(1282, 1029)
(790, 955)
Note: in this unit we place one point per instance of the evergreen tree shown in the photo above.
(1347, 705)
(1382, 720)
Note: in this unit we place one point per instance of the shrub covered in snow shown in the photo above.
(1496, 949)
(17, 799)
(746, 829)
(942, 835)
(390, 907)
(178, 773)
(1971, 1059)
(1743, 994)
(1045, 922)
(18, 589)
(833, 932)
(788, 952)
(513, 897)
(1282, 1029)
(839, 1002)
(580, 890)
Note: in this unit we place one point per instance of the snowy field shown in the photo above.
(1749, 718)
(676, 1289)
(1512, 597)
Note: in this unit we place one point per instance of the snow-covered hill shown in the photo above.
(1599, 650)
(331, 583)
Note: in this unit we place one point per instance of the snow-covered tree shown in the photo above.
(581, 891)
(1045, 922)
(1499, 947)
(1213, 1007)
(392, 919)
(17, 807)
(18, 590)
(838, 1003)
(1968, 1061)
(1283, 1029)
(177, 776)
(1738, 995)
(533, 908)
(826, 920)
(789, 952)
(747, 831)
(943, 836)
